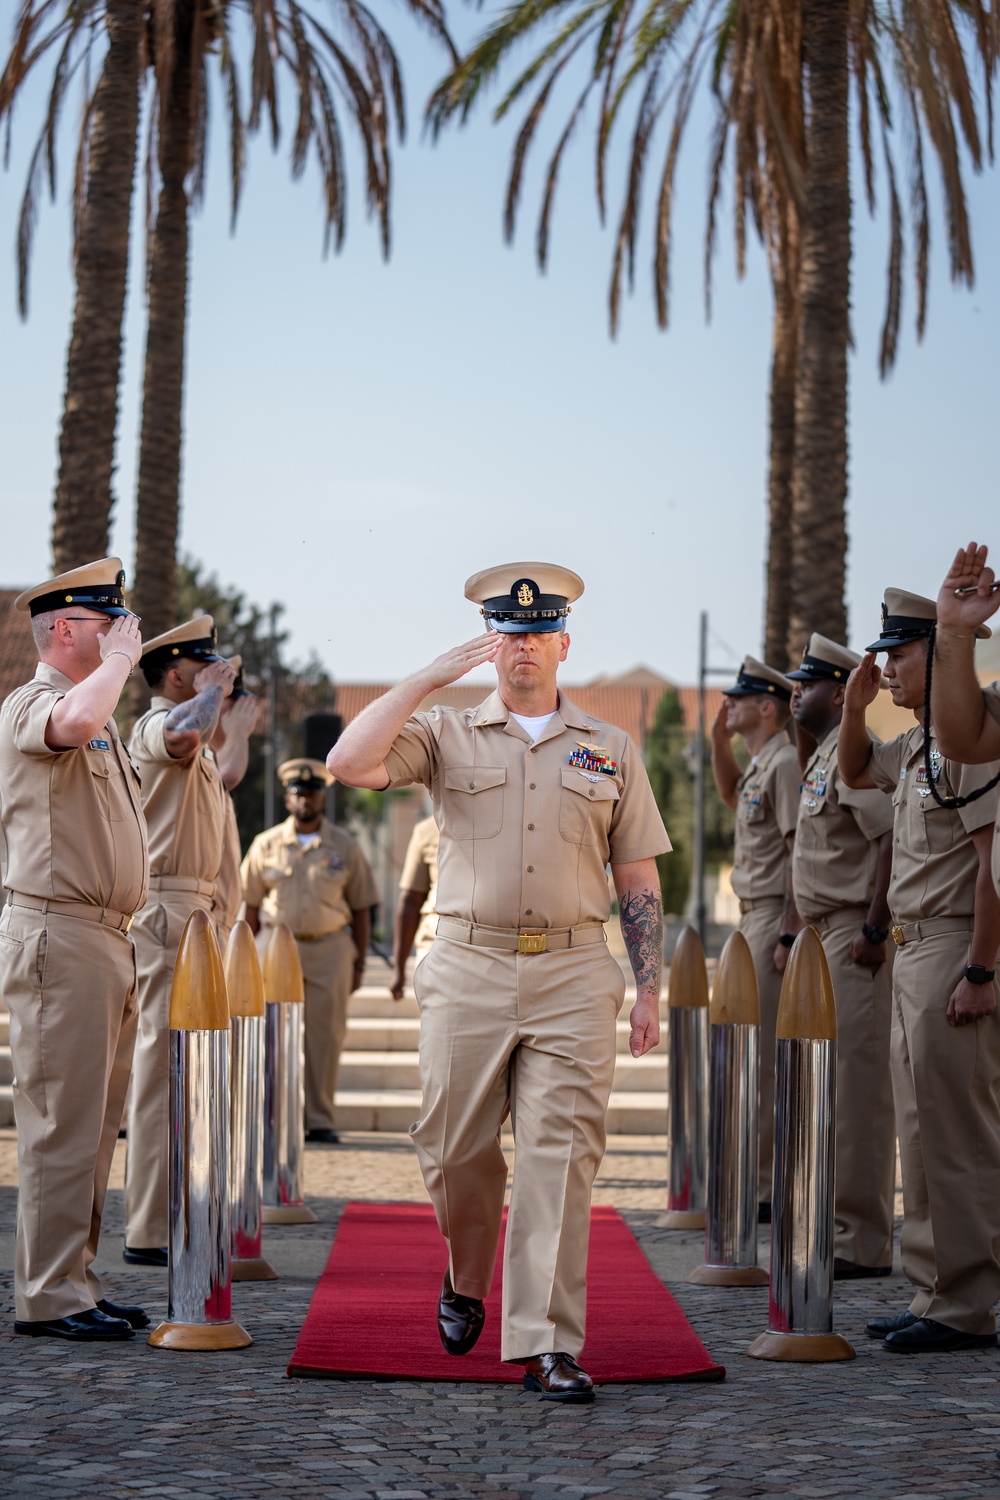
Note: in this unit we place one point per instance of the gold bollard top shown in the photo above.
(807, 1010)
(282, 969)
(198, 1000)
(244, 981)
(688, 975)
(735, 998)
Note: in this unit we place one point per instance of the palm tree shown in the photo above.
(780, 72)
(363, 74)
(102, 198)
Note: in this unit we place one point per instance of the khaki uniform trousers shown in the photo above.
(327, 970)
(866, 1123)
(157, 931)
(531, 1035)
(945, 1083)
(70, 986)
(760, 925)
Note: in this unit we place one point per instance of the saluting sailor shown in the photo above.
(519, 994)
(74, 865)
(184, 801)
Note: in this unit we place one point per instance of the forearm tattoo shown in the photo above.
(642, 928)
(200, 713)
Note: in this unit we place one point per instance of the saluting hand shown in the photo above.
(863, 684)
(216, 674)
(462, 659)
(122, 635)
(240, 714)
(963, 613)
(721, 732)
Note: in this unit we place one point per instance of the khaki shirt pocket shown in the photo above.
(938, 825)
(586, 807)
(109, 794)
(472, 801)
(813, 827)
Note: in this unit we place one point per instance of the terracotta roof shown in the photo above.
(630, 707)
(18, 657)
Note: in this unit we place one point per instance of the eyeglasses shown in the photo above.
(90, 620)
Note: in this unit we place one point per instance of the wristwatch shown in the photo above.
(874, 934)
(979, 974)
(786, 939)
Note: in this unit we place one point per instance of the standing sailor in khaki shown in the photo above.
(74, 866)
(766, 799)
(183, 799)
(312, 876)
(416, 910)
(840, 874)
(519, 995)
(945, 1026)
(231, 743)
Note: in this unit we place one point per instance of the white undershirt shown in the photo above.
(305, 839)
(534, 726)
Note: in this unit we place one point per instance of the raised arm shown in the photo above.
(854, 748)
(358, 757)
(638, 888)
(81, 714)
(191, 724)
(725, 766)
(239, 719)
(965, 731)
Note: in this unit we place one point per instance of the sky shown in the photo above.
(360, 436)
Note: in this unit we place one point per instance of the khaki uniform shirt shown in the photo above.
(766, 811)
(420, 874)
(992, 696)
(836, 837)
(934, 862)
(526, 833)
(313, 888)
(229, 887)
(184, 801)
(71, 822)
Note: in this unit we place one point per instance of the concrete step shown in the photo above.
(402, 1033)
(629, 1113)
(380, 1070)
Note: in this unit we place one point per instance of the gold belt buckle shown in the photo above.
(899, 937)
(531, 942)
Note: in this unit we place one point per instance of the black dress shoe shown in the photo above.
(851, 1270)
(925, 1336)
(460, 1319)
(557, 1377)
(763, 1213)
(135, 1317)
(138, 1257)
(80, 1328)
(878, 1328)
(323, 1137)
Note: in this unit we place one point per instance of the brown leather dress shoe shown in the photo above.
(460, 1319)
(557, 1377)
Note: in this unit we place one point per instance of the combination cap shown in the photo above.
(97, 585)
(195, 639)
(909, 617)
(823, 658)
(525, 598)
(756, 678)
(304, 776)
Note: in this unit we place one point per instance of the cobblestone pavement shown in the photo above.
(131, 1421)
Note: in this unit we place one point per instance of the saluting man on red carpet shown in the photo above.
(519, 995)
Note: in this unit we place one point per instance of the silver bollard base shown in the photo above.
(725, 1276)
(253, 1269)
(677, 1218)
(200, 1336)
(288, 1213)
(802, 1348)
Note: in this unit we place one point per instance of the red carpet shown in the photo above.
(374, 1310)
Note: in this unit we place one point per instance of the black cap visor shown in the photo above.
(756, 687)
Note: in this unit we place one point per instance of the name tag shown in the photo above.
(99, 745)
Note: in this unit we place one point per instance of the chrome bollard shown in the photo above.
(284, 1081)
(199, 1314)
(733, 1147)
(800, 1324)
(687, 1075)
(246, 1114)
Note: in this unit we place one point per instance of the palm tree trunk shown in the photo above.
(779, 485)
(82, 521)
(819, 476)
(158, 500)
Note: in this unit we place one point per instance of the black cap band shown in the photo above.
(204, 649)
(813, 668)
(748, 685)
(105, 597)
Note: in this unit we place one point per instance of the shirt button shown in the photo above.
(531, 827)
(527, 911)
(531, 786)
(531, 869)
(472, 786)
(591, 791)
